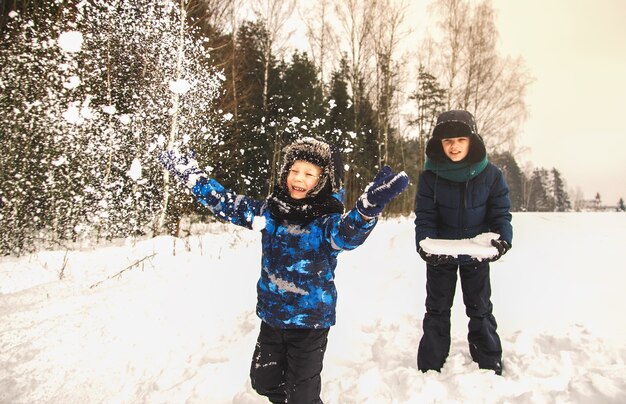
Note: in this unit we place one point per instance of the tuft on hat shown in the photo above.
(317, 152)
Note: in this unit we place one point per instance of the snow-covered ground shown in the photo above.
(172, 320)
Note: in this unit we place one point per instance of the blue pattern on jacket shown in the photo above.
(447, 209)
(296, 288)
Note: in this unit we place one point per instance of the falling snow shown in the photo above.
(71, 41)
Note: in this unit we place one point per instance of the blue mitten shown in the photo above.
(183, 167)
(386, 186)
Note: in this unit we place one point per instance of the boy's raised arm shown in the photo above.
(358, 223)
(224, 203)
(382, 190)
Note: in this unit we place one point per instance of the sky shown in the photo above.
(164, 320)
(576, 51)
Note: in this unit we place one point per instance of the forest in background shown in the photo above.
(81, 126)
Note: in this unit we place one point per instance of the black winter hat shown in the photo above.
(456, 123)
(320, 153)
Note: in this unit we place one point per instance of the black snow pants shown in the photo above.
(287, 363)
(484, 342)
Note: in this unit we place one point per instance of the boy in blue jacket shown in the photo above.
(460, 195)
(304, 229)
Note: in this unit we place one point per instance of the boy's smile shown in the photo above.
(302, 178)
(456, 148)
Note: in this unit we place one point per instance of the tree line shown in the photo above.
(81, 127)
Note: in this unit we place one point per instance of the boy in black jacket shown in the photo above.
(460, 195)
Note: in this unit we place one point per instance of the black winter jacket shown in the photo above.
(446, 209)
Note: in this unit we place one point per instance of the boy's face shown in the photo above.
(302, 178)
(456, 148)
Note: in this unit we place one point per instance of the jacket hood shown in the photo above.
(456, 123)
(320, 153)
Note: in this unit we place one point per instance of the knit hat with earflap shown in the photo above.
(322, 199)
(320, 153)
(456, 123)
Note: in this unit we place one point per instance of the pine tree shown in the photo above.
(245, 151)
(539, 199)
(299, 93)
(296, 106)
(597, 201)
(340, 112)
(561, 197)
(513, 175)
(430, 99)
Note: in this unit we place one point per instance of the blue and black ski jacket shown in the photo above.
(296, 288)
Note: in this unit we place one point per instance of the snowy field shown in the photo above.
(172, 320)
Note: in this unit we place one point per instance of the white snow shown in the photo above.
(59, 161)
(134, 172)
(70, 41)
(478, 247)
(124, 119)
(258, 223)
(180, 86)
(109, 109)
(169, 320)
(72, 82)
(72, 115)
(86, 111)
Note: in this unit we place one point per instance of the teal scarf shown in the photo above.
(457, 172)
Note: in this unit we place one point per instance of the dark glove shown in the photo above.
(183, 167)
(502, 246)
(436, 259)
(386, 186)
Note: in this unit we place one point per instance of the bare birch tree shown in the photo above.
(357, 18)
(179, 87)
(478, 79)
(321, 36)
(209, 14)
(386, 38)
(454, 26)
(274, 14)
(494, 87)
(175, 106)
(234, 24)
